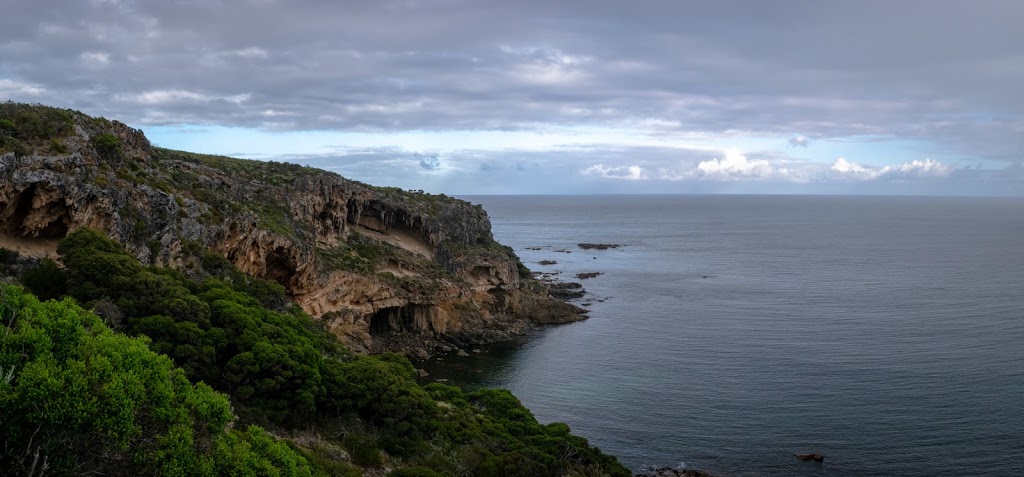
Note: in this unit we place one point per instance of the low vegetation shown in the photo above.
(25, 128)
(77, 398)
(141, 384)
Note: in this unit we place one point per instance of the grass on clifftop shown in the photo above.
(26, 128)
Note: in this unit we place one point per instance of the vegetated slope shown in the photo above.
(77, 399)
(386, 269)
(84, 398)
(94, 391)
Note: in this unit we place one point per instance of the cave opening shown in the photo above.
(19, 210)
(279, 266)
(395, 319)
(22, 205)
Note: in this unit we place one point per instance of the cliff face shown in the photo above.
(386, 269)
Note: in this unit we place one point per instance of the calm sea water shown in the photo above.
(886, 333)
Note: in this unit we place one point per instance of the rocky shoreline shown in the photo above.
(673, 472)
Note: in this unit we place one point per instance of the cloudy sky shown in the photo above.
(583, 96)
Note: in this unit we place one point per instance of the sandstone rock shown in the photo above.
(387, 270)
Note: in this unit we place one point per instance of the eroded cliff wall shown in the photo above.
(386, 269)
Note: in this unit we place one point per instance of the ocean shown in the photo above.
(730, 332)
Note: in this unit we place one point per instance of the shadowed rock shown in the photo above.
(814, 457)
(598, 246)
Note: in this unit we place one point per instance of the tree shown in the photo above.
(77, 398)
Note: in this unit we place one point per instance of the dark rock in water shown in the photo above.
(598, 246)
(566, 290)
(586, 275)
(815, 457)
(533, 248)
(546, 262)
(670, 472)
(567, 285)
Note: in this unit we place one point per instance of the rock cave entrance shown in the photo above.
(51, 220)
(279, 266)
(397, 319)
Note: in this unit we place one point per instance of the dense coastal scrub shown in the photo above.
(145, 369)
(78, 398)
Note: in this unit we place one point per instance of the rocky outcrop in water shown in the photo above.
(672, 472)
(816, 457)
(386, 269)
(598, 246)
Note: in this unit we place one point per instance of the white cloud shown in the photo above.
(95, 57)
(8, 87)
(916, 168)
(251, 52)
(547, 66)
(548, 74)
(735, 165)
(167, 96)
(843, 166)
(927, 167)
(621, 172)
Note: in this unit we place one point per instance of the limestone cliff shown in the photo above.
(386, 269)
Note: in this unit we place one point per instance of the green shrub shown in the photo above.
(7, 127)
(363, 450)
(45, 280)
(107, 145)
(81, 399)
(416, 472)
(57, 147)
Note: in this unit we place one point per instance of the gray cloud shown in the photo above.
(799, 141)
(429, 162)
(948, 73)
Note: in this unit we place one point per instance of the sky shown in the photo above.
(554, 97)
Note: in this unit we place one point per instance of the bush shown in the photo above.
(45, 280)
(7, 128)
(415, 472)
(107, 145)
(362, 448)
(78, 399)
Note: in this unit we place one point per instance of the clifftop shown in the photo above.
(386, 269)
